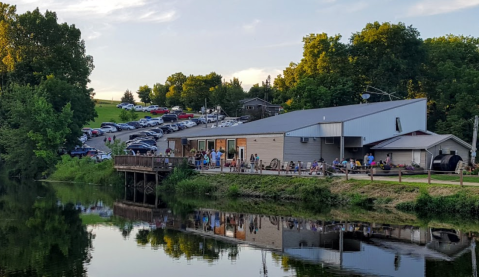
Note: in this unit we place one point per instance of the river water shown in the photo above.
(55, 229)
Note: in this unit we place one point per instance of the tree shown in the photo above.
(175, 87)
(144, 94)
(133, 115)
(124, 115)
(128, 97)
(227, 95)
(198, 88)
(158, 94)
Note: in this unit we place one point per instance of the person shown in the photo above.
(137, 153)
(336, 162)
(198, 160)
(206, 161)
(114, 138)
(358, 163)
(370, 159)
(213, 158)
(289, 167)
(344, 163)
(109, 139)
(256, 162)
(388, 159)
(132, 152)
(297, 167)
(352, 164)
(218, 158)
(314, 168)
(251, 161)
(104, 140)
(365, 159)
(233, 165)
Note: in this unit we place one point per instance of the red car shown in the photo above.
(160, 111)
(185, 115)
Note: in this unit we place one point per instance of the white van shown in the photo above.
(138, 108)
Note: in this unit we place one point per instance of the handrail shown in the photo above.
(151, 162)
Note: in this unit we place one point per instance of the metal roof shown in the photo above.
(299, 119)
(417, 142)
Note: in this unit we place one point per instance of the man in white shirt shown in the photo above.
(213, 158)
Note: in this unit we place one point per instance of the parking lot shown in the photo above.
(162, 143)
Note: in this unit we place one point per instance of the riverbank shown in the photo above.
(418, 197)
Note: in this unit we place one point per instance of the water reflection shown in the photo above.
(41, 234)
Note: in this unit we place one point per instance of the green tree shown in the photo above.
(124, 115)
(158, 94)
(227, 95)
(128, 97)
(144, 94)
(133, 115)
(198, 88)
(175, 87)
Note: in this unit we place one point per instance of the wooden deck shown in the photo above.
(145, 164)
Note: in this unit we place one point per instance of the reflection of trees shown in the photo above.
(301, 268)
(125, 226)
(178, 244)
(37, 236)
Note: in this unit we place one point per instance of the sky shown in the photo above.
(142, 42)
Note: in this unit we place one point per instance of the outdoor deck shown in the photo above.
(146, 164)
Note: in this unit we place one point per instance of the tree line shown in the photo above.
(191, 92)
(44, 95)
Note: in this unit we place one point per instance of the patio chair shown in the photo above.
(307, 167)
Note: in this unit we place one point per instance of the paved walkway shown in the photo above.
(351, 176)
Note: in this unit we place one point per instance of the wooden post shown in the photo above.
(156, 189)
(324, 169)
(347, 171)
(429, 177)
(372, 178)
(279, 167)
(144, 188)
(300, 167)
(202, 165)
(134, 187)
(461, 177)
(221, 164)
(152, 162)
(400, 175)
(260, 166)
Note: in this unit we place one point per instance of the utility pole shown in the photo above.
(206, 117)
(474, 140)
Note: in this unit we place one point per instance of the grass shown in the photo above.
(444, 177)
(106, 111)
(92, 219)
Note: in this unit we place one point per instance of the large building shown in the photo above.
(328, 133)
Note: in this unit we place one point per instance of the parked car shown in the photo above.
(128, 107)
(176, 108)
(81, 151)
(158, 131)
(160, 110)
(125, 126)
(150, 134)
(197, 121)
(150, 108)
(141, 148)
(220, 116)
(87, 132)
(138, 108)
(102, 156)
(244, 118)
(189, 123)
(172, 126)
(147, 123)
(118, 127)
(148, 141)
(185, 115)
(170, 118)
(97, 132)
(166, 129)
(109, 129)
(181, 125)
(134, 124)
(177, 112)
(121, 105)
(206, 119)
(158, 120)
(83, 139)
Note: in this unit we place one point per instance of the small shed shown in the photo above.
(421, 150)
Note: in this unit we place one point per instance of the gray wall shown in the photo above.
(295, 150)
(398, 156)
(451, 145)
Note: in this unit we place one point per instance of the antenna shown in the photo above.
(380, 92)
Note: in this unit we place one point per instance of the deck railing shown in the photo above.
(152, 163)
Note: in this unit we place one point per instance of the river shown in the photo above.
(56, 229)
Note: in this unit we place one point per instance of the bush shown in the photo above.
(233, 191)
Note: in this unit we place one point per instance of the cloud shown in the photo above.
(344, 8)
(93, 35)
(109, 10)
(251, 27)
(251, 76)
(433, 7)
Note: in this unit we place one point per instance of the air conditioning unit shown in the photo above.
(304, 140)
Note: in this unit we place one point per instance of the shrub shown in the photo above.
(233, 191)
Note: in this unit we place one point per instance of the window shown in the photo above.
(230, 145)
(328, 140)
(211, 144)
(398, 125)
(201, 145)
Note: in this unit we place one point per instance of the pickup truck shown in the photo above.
(185, 115)
(160, 111)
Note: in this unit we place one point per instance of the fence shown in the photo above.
(153, 162)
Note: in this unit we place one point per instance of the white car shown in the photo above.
(83, 139)
(101, 156)
(189, 124)
(109, 129)
(208, 119)
(157, 120)
(176, 108)
(147, 123)
(172, 126)
(138, 108)
(128, 107)
(150, 108)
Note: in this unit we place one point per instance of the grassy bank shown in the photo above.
(443, 177)
(418, 197)
(85, 171)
